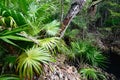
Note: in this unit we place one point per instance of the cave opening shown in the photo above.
(114, 65)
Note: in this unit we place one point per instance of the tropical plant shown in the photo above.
(111, 9)
(85, 52)
(29, 12)
(25, 22)
(49, 43)
(31, 62)
(30, 17)
(28, 23)
(72, 33)
(52, 28)
(9, 35)
(53, 45)
(91, 74)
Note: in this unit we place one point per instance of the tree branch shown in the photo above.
(76, 6)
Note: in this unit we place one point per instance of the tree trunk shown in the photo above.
(76, 6)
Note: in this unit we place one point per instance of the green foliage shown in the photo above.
(91, 74)
(72, 33)
(23, 21)
(110, 13)
(52, 28)
(85, 52)
(114, 14)
(53, 45)
(9, 62)
(9, 35)
(31, 61)
(9, 21)
(18, 17)
(29, 12)
(10, 77)
(37, 21)
(49, 43)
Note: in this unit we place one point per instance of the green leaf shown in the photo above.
(84, 51)
(8, 41)
(30, 61)
(9, 77)
(15, 38)
(13, 31)
(50, 43)
(91, 73)
(52, 28)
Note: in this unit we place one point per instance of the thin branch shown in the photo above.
(62, 11)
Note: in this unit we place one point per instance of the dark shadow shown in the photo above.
(114, 65)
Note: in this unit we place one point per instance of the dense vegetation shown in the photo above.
(29, 41)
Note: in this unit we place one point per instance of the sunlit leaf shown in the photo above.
(30, 61)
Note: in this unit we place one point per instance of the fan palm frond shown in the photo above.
(52, 28)
(49, 43)
(54, 44)
(30, 62)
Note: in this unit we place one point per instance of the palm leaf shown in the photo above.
(52, 28)
(13, 31)
(9, 77)
(49, 43)
(13, 37)
(8, 41)
(84, 51)
(31, 61)
(18, 17)
(9, 35)
(91, 73)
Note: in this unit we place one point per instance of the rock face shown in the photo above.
(60, 72)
